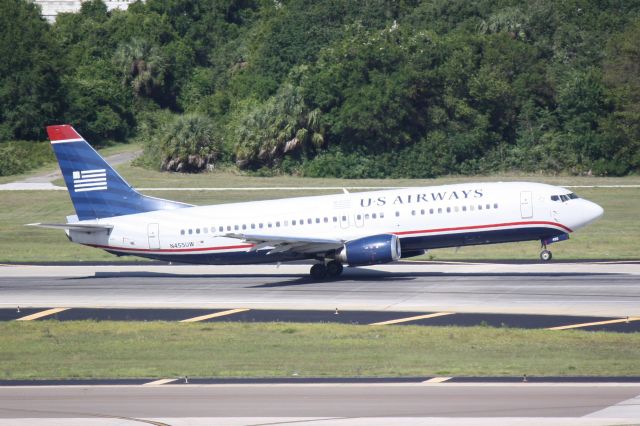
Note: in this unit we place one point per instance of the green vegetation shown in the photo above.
(335, 88)
(52, 350)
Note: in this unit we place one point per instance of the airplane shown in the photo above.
(354, 229)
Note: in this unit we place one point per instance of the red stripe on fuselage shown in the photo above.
(494, 225)
(422, 231)
(241, 246)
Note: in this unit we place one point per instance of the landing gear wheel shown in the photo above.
(545, 255)
(334, 268)
(318, 271)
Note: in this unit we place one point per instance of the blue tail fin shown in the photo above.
(96, 190)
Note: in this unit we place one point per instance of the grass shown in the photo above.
(52, 350)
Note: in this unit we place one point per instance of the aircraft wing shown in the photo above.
(82, 227)
(281, 244)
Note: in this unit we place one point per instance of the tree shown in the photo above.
(30, 88)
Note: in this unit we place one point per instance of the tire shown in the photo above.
(545, 255)
(318, 271)
(334, 268)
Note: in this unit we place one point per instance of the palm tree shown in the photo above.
(143, 66)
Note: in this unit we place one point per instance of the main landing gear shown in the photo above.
(321, 271)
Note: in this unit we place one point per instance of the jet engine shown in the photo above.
(371, 250)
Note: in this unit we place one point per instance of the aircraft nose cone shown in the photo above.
(589, 212)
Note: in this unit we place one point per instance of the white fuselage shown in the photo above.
(422, 218)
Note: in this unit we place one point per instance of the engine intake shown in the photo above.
(376, 249)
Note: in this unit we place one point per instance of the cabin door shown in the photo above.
(526, 206)
(153, 232)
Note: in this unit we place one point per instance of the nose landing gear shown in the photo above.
(320, 271)
(545, 255)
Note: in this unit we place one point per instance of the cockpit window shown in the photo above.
(564, 197)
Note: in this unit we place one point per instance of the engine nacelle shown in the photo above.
(371, 250)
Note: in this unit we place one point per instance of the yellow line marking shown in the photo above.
(159, 382)
(418, 317)
(216, 315)
(588, 324)
(437, 380)
(42, 314)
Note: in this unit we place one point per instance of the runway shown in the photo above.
(335, 404)
(581, 289)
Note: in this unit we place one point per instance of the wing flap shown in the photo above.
(286, 243)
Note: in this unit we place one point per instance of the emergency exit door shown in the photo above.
(526, 206)
(153, 234)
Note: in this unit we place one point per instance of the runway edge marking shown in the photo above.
(42, 314)
(414, 318)
(589, 324)
(215, 315)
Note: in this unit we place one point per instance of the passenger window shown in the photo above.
(190, 231)
(344, 218)
(495, 206)
(182, 232)
(244, 227)
(228, 227)
(464, 208)
(260, 226)
(235, 227)
(197, 230)
(479, 206)
(439, 210)
(413, 212)
(221, 229)
(373, 216)
(317, 220)
(269, 225)
(430, 211)
(381, 215)
(335, 219)
(326, 220)
(397, 213)
(488, 206)
(448, 209)
(422, 211)
(309, 221)
(278, 224)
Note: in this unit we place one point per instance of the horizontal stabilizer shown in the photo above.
(82, 227)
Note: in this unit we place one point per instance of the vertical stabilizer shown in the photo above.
(96, 189)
